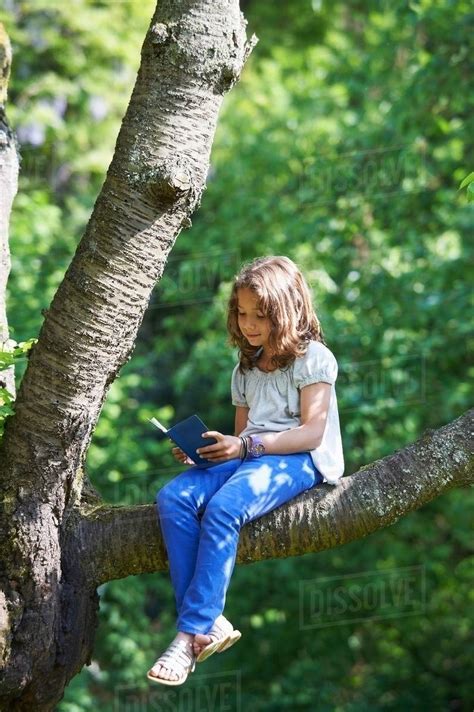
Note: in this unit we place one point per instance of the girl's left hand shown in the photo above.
(226, 448)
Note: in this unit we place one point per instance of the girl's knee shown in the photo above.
(165, 496)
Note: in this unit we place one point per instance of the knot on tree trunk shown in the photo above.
(168, 182)
(159, 33)
(230, 71)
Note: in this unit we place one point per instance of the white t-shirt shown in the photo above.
(274, 401)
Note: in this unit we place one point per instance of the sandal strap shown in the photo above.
(178, 653)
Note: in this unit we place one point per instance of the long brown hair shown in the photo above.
(284, 297)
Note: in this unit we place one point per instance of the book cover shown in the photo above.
(187, 434)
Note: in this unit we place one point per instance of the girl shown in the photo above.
(287, 439)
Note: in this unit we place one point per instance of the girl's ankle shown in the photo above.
(188, 637)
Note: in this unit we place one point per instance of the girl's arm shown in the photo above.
(307, 436)
(241, 417)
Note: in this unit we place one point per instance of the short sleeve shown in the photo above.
(318, 364)
(238, 388)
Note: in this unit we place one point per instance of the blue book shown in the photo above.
(187, 434)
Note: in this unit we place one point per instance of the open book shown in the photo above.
(187, 434)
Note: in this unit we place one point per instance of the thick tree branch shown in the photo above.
(115, 542)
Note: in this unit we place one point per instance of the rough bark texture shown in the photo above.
(193, 53)
(8, 187)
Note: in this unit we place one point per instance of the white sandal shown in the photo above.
(224, 635)
(178, 657)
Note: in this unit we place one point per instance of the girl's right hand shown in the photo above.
(181, 456)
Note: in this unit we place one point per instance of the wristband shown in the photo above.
(255, 447)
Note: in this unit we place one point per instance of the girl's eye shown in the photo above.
(259, 316)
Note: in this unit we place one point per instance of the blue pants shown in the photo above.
(201, 512)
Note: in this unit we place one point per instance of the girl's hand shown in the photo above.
(226, 448)
(181, 456)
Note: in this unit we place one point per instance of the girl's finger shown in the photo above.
(213, 434)
(209, 450)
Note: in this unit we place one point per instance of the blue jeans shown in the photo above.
(201, 512)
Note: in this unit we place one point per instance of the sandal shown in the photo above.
(179, 658)
(224, 636)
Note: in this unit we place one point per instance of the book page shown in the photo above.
(157, 424)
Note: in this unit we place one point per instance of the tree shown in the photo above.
(56, 532)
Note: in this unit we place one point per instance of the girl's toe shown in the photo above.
(154, 672)
(163, 672)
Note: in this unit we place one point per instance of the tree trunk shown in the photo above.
(193, 53)
(8, 188)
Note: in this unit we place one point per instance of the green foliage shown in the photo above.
(468, 183)
(6, 407)
(342, 146)
(13, 354)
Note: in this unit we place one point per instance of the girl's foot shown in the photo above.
(221, 636)
(178, 660)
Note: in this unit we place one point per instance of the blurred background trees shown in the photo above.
(343, 147)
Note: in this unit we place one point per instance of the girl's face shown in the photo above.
(253, 324)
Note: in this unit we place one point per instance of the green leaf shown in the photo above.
(467, 180)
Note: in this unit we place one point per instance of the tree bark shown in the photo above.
(8, 187)
(193, 53)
